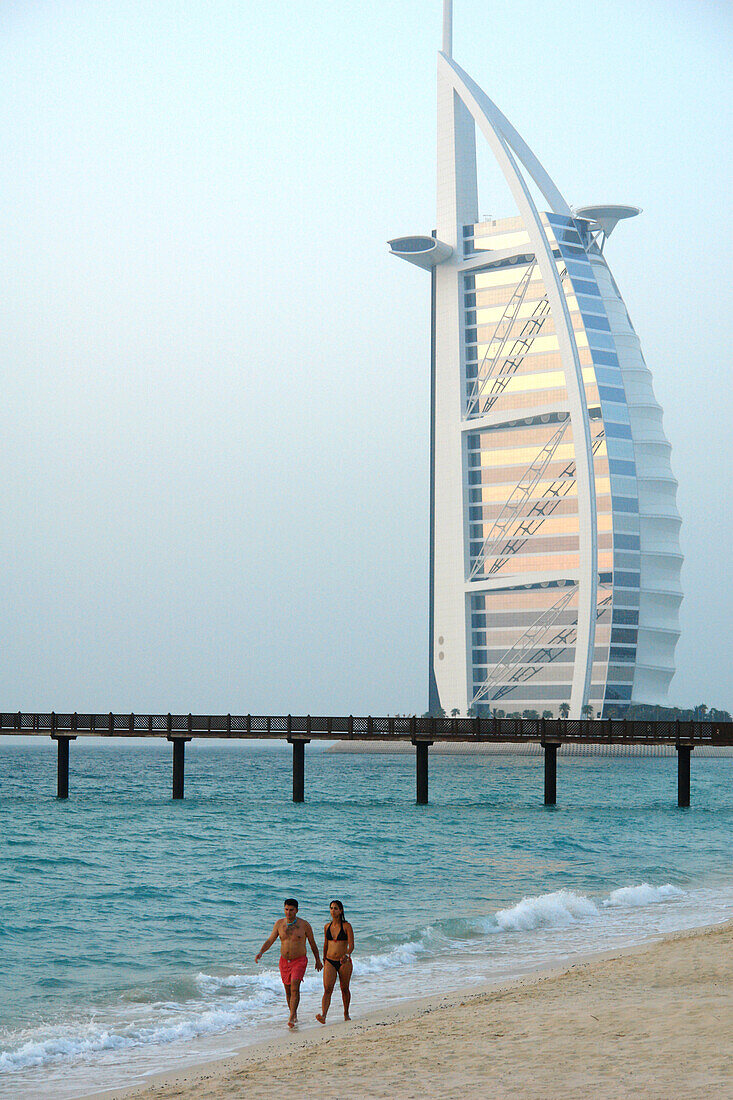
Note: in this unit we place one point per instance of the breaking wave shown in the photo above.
(555, 910)
(563, 908)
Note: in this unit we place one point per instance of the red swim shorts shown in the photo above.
(293, 970)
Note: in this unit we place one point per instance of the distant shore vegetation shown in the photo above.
(637, 712)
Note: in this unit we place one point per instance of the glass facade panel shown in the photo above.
(522, 515)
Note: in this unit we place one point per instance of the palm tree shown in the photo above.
(547, 714)
(564, 709)
(455, 712)
(587, 711)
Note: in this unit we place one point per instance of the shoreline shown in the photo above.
(544, 1026)
(567, 749)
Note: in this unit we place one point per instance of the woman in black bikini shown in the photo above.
(337, 949)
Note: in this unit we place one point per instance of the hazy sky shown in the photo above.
(215, 380)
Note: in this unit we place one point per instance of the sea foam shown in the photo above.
(90, 1039)
(644, 894)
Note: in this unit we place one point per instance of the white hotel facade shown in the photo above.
(555, 558)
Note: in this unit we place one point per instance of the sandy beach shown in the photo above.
(651, 1021)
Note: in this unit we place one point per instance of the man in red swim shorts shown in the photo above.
(293, 932)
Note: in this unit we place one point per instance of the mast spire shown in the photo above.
(448, 28)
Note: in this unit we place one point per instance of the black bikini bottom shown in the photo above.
(336, 963)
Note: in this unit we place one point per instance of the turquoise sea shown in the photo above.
(129, 923)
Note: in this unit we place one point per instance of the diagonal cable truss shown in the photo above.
(562, 640)
(510, 363)
(544, 656)
(521, 346)
(520, 494)
(500, 334)
(536, 631)
(530, 524)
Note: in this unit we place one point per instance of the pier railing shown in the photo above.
(584, 731)
(298, 730)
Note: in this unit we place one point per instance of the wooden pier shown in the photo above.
(299, 730)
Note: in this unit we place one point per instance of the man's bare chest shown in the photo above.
(294, 934)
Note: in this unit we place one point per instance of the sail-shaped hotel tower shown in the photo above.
(555, 558)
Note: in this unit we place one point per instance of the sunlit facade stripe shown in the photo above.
(555, 553)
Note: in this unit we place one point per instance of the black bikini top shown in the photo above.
(341, 936)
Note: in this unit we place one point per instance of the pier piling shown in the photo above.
(550, 748)
(179, 749)
(421, 763)
(298, 744)
(62, 768)
(683, 774)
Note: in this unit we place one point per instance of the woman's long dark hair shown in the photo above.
(341, 907)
